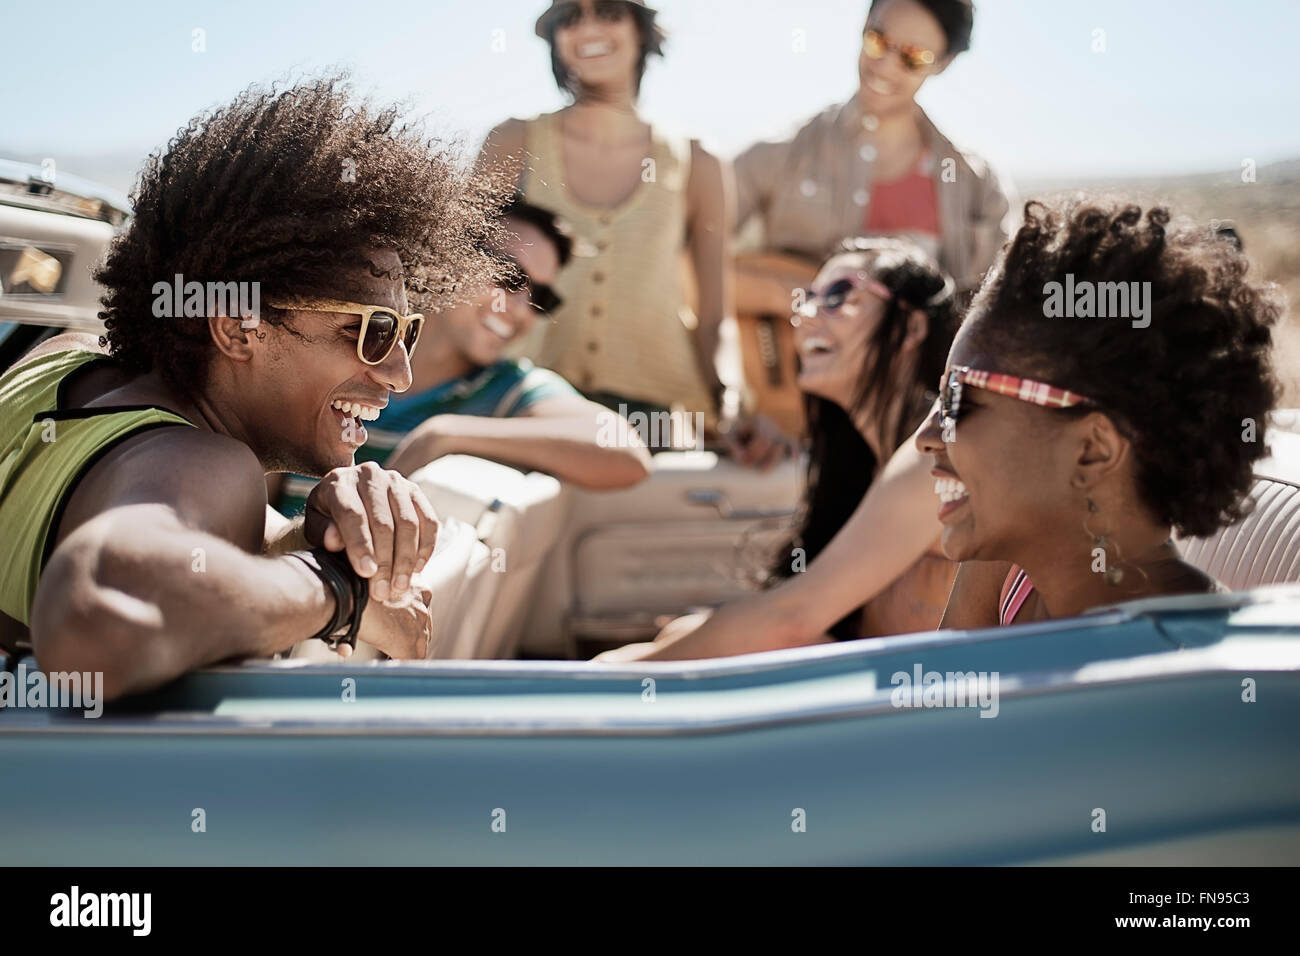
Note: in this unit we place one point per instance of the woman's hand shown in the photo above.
(755, 440)
(628, 652)
(675, 629)
(402, 628)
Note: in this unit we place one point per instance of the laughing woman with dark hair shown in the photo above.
(864, 558)
(1070, 448)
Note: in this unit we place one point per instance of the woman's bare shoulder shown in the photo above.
(975, 595)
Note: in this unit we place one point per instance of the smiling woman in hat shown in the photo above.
(636, 199)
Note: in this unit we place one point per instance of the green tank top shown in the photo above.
(45, 449)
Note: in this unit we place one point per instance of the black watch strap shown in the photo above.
(351, 593)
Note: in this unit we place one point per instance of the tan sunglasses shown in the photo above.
(877, 45)
(381, 327)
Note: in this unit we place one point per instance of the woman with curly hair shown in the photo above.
(1067, 450)
(136, 537)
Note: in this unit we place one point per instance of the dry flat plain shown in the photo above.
(1265, 213)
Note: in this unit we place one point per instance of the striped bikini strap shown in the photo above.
(1014, 592)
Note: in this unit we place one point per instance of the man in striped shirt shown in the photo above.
(467, 398)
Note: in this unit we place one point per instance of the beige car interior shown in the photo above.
(528, 566)
(1264, 547)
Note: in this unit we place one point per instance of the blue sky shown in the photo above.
(1182, 86)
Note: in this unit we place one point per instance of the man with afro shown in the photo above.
(136, 536)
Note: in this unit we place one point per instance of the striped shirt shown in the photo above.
(503, 390)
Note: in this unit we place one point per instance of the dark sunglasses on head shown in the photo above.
(381, 327)
(832, 298)
(877, 45)
(515, 280)
(606, 11)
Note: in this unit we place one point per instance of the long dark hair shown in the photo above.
(841, 465)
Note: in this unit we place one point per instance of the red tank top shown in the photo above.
(906, 204)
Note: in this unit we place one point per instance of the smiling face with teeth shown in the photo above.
(598, 53)
(886, 86)
(833, 344)
(319, 391)
(476, 334)
(1006, 484)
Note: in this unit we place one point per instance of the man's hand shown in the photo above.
(384, 521)
(402, 628)
(755, 440)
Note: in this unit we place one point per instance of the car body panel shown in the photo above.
(1138, 711)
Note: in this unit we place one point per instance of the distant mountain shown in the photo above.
(1284, 173)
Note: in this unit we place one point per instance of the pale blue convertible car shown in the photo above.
(1171, 724)
(1163, 732)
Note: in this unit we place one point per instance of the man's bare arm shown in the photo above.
(144, 608)
(156, 569)
(567, 436)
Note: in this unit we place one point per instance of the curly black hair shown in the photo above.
(1185, 387)
(287, 187)
(841, 465)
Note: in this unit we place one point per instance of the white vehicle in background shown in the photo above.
(53, 231)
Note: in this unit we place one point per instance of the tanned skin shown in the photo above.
(565, 435)
(125, 592)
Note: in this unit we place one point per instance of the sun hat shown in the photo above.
(544, 22)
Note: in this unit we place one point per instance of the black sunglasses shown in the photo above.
(606, 11)
(515, 279)
(833, 297)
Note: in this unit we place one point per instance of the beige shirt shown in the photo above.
(812, 190)
(624, 326)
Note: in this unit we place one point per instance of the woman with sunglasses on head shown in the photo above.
(1069, 449)
(864, 558)
(875, 165)
(636, 200)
